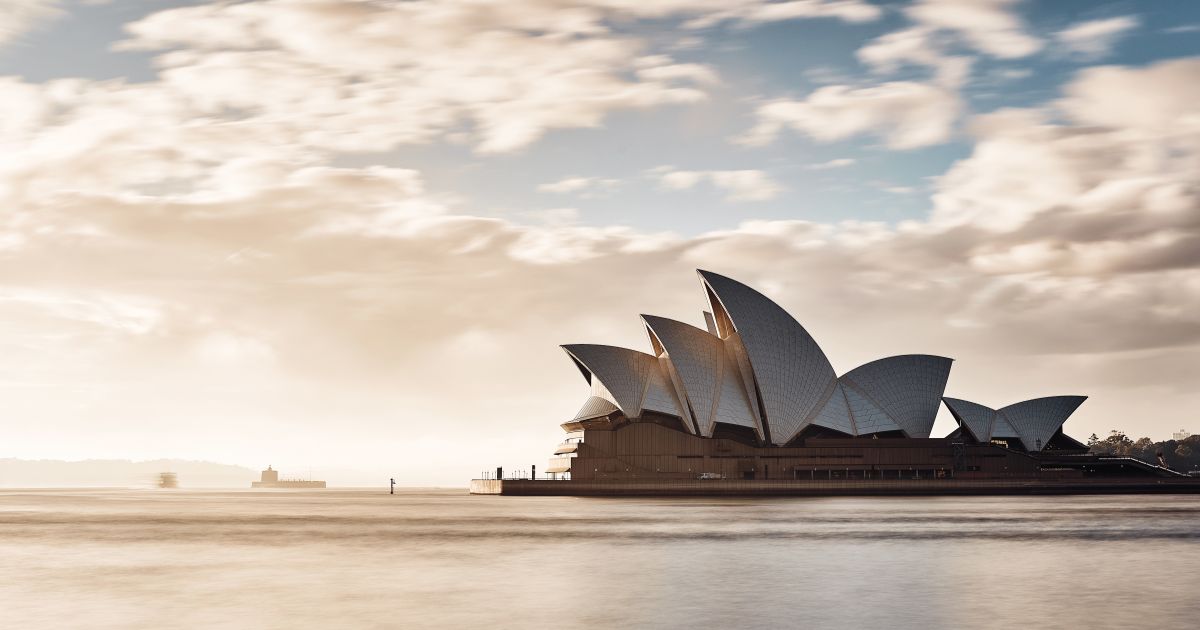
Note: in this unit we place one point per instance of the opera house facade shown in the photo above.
(752, 403)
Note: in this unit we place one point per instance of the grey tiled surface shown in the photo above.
(1034, 421)
(594, 407)
(734, 405)
(767, 359)
(836, 413)
(908, 388)
(660, 394)
(791, 369)
(633, 380)
(977, 418)
(1037, 420)
(697, 358)
(868, 418)
(736, 352)
(1002, 429)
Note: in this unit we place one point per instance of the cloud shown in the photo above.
(927, 111)
(906, 114)
(185, 250)
(504, 74)
(511, 71)
(18, 17)
(834, 163)
(1095, 38)
(986, 25)
(1117, 178)
(258, 89)
(751, 12)
(918, 46)
(583, 186)
(554, 216)
(1183, 28)
(740, 185)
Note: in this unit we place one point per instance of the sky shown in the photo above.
(350, 236)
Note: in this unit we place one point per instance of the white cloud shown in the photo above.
(554, 216)
(889, 51)
(752, 12)
(512, 71)
(1013, 74)
(1095, 38)
(18, 17)
(928, 110)
(1129, 150)
(918, 46)
(834, 163)
(905, 114)
(989, 26)
(508, 72)
(223, 349)
(583, 186)
(740, 185)
(163, 226)
(273, 85)
(104, 310)
(1154, 102)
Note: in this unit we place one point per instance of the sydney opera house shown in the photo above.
(754, 399)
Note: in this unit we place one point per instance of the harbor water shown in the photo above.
(442, 558)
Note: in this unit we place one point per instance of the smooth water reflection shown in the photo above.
(345, 559)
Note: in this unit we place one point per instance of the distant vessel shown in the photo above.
(168, 480)
(270, 479)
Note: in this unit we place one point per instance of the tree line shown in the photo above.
(1182, 455)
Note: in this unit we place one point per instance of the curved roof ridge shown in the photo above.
(1033, 421)
(696, 357)
(906, 387)
(1041, 399)
(623, 372)
(977, 418)
(790, 370)
(1037, 420)
(595, 407)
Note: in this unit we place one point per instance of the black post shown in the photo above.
(499, 472)
(392, 490)
(533, 472)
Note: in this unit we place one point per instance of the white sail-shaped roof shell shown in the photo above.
(735, 406)
(633, 381)
(1034, 422)
(868, 417)
(1001, 428)
(708, 382)
(908, 388)
(757, 367)
(790, 370)
(696, 359)
(1037, 420)
(974, 416)
(595, 407)
(835, 413)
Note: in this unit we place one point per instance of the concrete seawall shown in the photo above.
(730, 487)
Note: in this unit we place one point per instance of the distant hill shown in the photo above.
(91, 473)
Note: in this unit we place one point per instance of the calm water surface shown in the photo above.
(349, 559)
